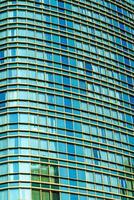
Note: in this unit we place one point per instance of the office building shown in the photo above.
(66, 99)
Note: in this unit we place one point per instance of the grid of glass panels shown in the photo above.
(66, 100)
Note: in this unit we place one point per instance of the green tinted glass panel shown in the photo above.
(36, 195)
(45, 195)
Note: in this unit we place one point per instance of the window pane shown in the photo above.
(35, 195)
(3, 195)
(55, 196)
(45, 196)
(13, 193)
(44, 169)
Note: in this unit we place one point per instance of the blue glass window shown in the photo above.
(48, 36)
(1, 54)
(3, 169)
(128, 118)
(67, 101)
(88, 66)
(13, 73)
(64, 196)
(131, 139)
(71, 42)
(79, 150)
(62, 147)
(13, 52)
(14, 193)
(70, 148)
(68, 110)
(103, 133)
(77, 127)
(23, 118)
(74, 82)
(82, 84)
(13, 118)
(62, 22)
(2, 104)
(131, 99)
(73, 197)
(118, 40)
(54, 20)
(76, 104)
(56, 58)
(4, 195)
(46, 1)
(51, 98)
(69, 24)
(81, 174)
(55, 38)
(127, 61)
(129, 80)
(123, 77)
(124, 43)
(125, 97)
(72, 173)
(84, 198)
(96, 153)
(49, 56)
(72, 61)
(72, 182)
(119, 9)
(68, 6)
(47, 18)
(2, 96)
(63, 172)
(89, 73)
(37, 3)
(60, 123)
(54, 2)
(65, 60)
(66, 80)
(69, 124)
(14, 13)
(61, 4)
(121, 25)
(13, 1)
(63, 40)
(59, 100)
(123, 183)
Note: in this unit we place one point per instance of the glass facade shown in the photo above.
(66, 99)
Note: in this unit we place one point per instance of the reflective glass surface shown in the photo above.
(66, 100)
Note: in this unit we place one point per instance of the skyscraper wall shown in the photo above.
(66, 99)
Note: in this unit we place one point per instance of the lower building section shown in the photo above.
(63, 176)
